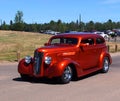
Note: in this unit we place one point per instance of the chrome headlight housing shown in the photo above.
(48, 60)
(28, 59)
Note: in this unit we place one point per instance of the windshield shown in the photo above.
(72, 41)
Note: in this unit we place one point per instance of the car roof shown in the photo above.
(78, 35)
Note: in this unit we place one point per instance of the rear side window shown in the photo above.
(90, 41)
(100, 41)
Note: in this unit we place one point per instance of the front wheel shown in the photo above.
(106, 65)
(67, 75)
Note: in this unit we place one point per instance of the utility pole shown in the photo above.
(1, 22)
(80, 22)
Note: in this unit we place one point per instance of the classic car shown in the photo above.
(67, 56)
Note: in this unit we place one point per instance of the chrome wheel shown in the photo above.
(105, 65)
(67, 75)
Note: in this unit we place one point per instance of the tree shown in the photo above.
(90, 26)
(34, 27)
(11, 25)
(4, 26)
(108, 24)
(18, 17)
(19, 24)
(72, 26)
(60, 26)
(52, 25)
(81, 26)
(99, 26)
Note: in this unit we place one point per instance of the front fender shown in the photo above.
(24, 68)
(58, 68)
(62, 64)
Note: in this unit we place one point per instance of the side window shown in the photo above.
(100, 41)
(89, 41)
(54, 41)
(71, 41)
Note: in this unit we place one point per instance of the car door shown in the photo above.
(100, 45)
(87, 54)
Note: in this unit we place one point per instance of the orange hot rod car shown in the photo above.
(67, 56)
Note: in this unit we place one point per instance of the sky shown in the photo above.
(43, 11)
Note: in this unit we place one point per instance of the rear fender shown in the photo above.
(102, 56)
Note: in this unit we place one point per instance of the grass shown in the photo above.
(113, 45)
(12, 42)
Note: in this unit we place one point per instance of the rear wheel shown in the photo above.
(105, 65)
(67, 75)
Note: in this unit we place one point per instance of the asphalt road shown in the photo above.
(97, 87)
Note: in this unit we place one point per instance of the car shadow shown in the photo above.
(53, 81)
(87, 76)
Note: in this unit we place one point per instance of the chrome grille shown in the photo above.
(38, 61)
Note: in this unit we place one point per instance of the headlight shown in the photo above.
(28, 59)
(48, 60)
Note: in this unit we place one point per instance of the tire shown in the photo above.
(67, 75)
(106, 65)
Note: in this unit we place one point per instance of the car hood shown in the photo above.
(53, 48)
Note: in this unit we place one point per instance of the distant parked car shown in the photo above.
(112, 34)
(52, 32)
(118, 33)
(102, 34)
(67, 56)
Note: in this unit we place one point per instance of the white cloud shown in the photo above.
(111, 1)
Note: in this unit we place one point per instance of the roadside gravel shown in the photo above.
(115, 54)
